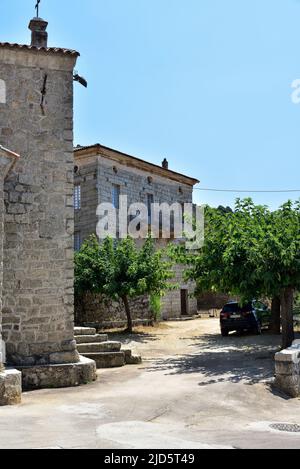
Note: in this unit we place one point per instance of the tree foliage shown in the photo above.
(251, 252)
(121, 270)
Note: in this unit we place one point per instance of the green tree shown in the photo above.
(251, 252)
(121, 271)
(282, 257)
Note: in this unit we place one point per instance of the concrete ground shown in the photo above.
(195, 389)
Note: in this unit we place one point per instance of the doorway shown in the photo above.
(184, 302)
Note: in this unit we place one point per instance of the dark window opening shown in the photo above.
(116, 191)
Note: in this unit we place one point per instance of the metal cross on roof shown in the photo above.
(37, 6)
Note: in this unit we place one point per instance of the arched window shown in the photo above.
(2, 92)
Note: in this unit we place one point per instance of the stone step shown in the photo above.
(91, 339)
(99, 347)
(107, 360)
(132, 359)
(84, 331)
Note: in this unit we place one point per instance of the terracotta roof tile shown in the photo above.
(56, 50)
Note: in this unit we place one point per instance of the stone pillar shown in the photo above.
(287, 366)
(36, 120)
(7, 159)
(10, 380)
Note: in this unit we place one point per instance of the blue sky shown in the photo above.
(204, 83)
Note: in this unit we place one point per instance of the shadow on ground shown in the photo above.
(126, 338)
(234, 359)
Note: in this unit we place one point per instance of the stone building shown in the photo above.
(37, 216)
(103, 175)
(10, 380)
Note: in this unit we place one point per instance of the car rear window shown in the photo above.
(232, 308)
(236, 308)
(246, 308)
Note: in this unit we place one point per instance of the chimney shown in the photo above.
(39, 35)
(165, 164)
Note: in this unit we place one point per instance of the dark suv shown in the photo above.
(250, 317)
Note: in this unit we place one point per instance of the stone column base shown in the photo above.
(58, 376)
(10, 387)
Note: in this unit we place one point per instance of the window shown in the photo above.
(2, 92)
(150, 202)
(77, 197)
(183, 212)
(184, 302)
(77, 241)
(116, 190)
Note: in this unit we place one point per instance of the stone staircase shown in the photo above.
(105, 353)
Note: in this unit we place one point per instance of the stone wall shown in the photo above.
(135, 183)
(85, 218)
(3, 163)
(209, 300)
(7, 159)
(10, 380)
(10, 387)
(39, 220)
(171, 302)
(96, 174)
(96, 309)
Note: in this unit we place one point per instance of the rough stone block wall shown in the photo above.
(171, 302)
(135, 185)
(85, 218)
(209, 300)
(95, 309)
(1, 259)
(1, 254)
(39, 219)
(7, 160)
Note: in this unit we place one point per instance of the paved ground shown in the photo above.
(194, 389)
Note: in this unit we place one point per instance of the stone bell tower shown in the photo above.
(36, 122)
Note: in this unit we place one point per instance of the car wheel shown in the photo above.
(224, 333)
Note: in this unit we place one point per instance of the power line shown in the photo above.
(236, 191)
